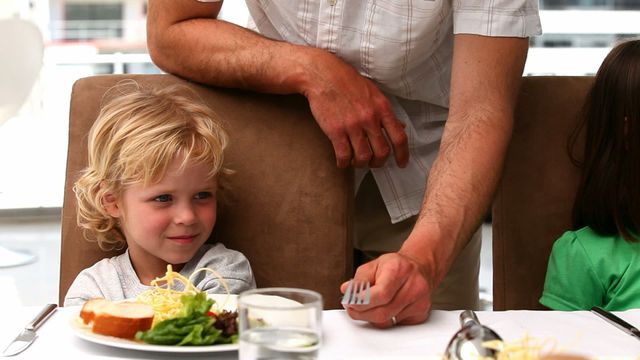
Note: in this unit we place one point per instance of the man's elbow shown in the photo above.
(159, 51)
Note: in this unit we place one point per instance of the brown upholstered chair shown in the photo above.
(288, 208)
(533, 204)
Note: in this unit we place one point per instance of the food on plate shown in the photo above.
(195, 324)
(165, 299)
(122, 319)
(91, 307)
(529, 348)
(164, 315)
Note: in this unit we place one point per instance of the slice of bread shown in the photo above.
(118, 319)
(91, 307)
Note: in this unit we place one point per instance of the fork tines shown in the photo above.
(354, 295)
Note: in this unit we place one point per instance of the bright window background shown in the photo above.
(89, 37)
(82, 38)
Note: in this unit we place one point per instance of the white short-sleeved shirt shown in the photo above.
(406, 47)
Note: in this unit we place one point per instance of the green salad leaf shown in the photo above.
(193, 326)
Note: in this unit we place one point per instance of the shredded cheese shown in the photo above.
(165, 299)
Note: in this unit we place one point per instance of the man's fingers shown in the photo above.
(398, 137)
(361, 149)
(352, 148)
(399, 291)
(386, 280)
(365, 272)
(402, 319)
(410, 305)
(415, 319)
(391, 274)
(379, 316)
(406, 308)
(419, 298)
(342, 148)
(379, 146)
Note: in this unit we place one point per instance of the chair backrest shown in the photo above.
(534, 200)
(288, 208)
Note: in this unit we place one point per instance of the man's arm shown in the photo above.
(185, 38)
(485, 80)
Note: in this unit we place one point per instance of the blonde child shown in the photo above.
(155, 159)
(598, 263)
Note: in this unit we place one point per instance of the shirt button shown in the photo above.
(332, 2)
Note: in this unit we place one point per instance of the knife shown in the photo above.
(616, 321)
(28, 334)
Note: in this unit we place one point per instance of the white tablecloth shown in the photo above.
(579, 332)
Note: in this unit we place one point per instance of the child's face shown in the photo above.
(169, 221)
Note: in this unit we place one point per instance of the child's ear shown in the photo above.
(110, 203)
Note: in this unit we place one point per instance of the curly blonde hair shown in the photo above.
(137, 135)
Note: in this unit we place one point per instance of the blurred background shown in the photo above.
(90, 37)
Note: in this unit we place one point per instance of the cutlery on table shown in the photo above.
(470, 342)
(616, 321)
(28, 334)
(352, 296)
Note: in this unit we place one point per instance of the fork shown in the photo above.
(355, 288)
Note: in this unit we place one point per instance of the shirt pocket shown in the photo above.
(398, 37)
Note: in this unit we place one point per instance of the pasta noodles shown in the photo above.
(165, 299)
(527, 348)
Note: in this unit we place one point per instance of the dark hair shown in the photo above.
(608, 198)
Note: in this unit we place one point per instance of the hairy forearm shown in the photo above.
(465, 174)
(219, 53)
(460, 187)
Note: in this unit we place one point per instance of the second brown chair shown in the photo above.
(534, 200)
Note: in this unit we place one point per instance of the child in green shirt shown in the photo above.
(598, 264)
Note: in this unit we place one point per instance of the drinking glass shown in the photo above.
(280, 323)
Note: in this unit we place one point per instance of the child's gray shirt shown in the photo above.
(115, 279)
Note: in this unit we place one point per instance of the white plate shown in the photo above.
(84, 332)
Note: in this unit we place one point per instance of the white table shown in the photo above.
(578, 332)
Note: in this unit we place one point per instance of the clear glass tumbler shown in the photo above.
(280, 323)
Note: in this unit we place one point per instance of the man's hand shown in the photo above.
(349, 108)
(401, 289)
(353, 113)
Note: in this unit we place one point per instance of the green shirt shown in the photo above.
(586, 269)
